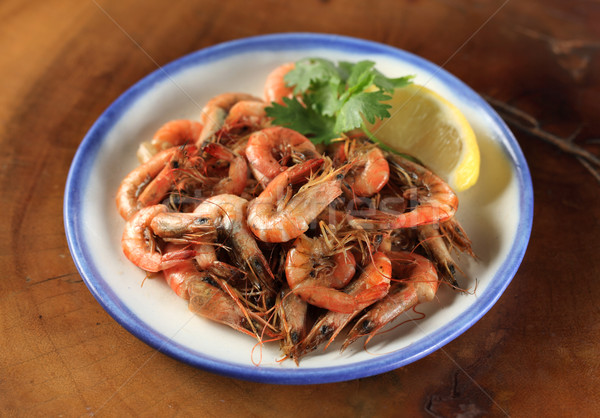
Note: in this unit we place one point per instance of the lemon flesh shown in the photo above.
(427, 126)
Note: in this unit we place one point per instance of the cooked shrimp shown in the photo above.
(237, 176)
(135, 182)
(179, 277)
(140, 247)
(293, 312)
(192, 174)
(207, 299)
(456, 236)
(315, 273)
(434, 244)
(275, 217)
(438, 240)
(173, 176)
(228, 214)
(225, 214)
(247, 115)
(275, 86)
(171, 134)
(369, 170)
(206, 254)
(182, 228)
(415, 282)
(270, 150)
(332, 323)
(435, 200)
(215, 111)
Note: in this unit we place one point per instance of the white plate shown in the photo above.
(496, 213)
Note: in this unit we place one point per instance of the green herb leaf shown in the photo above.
(310, 71)
(365, 104)
(324, 98)
(332, 100)
(303, 119)
(391, 84)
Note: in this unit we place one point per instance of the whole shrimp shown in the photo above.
(270, 150)
(332, 323)
(434, 201)
(171, 134)
(198, 176)
(415, 281)
(176, 176)
(134, 184)
(277, 216)
(315, 274)
(275, 85)
(369, 170)
(215, 111)
(228, 214)
(212, 298)
(246, 116)
(139, 245)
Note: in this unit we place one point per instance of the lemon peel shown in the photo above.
(427, 126)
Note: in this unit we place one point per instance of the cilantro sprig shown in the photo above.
(331, 99)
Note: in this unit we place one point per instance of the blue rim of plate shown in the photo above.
(88, 150)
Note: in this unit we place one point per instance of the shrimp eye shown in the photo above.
(325, 329)
(366, 327)
(175, 164)
(257, 265)
(201, 221)
(378, 239)
(340, 176)
(209, 280)
(295, 337)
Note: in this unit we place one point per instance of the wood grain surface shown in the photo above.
(62, 62)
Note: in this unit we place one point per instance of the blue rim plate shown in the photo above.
(497, 214)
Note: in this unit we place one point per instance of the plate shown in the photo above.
(497, 214)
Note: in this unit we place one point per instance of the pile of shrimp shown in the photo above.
(263, 231)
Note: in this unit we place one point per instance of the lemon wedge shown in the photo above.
(427, 126)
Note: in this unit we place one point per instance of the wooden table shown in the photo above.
(536, 353)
